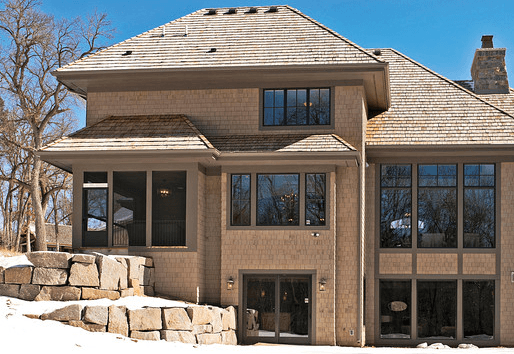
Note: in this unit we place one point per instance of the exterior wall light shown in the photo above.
(230, 283)
(322, 284)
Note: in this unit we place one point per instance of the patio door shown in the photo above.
(277, 308)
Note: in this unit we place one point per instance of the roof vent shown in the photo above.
(212, 12)
(231, 11)
(377, 52)
(273, 9)
(212, 50)
(128, 52)
(252, 10)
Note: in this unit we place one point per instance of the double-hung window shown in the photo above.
(302, 106)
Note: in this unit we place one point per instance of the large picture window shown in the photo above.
(437, 206)
(277, 199)
(281, 199)
(305, 106)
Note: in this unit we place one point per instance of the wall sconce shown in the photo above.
(322, 284)
(230, 283)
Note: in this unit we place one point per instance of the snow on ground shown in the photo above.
(23, 335)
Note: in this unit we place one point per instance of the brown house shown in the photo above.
(334, 194)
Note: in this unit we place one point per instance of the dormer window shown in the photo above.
(301, 106)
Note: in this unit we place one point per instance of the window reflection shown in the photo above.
(395, 206)
(478, 305)
(479, 205)
(437, 309)
(315, 186)
(240, 200)
(129, 209)
(437, 205)
(395, 309)
(277, 199)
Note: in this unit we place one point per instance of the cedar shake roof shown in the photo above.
(176, 132)
(153, 132)
(264, 38)
(281, 143)
(428, 109)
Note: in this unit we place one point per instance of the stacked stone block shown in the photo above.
(60, 276)
(194, 325)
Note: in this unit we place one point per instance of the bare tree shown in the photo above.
(35, 45)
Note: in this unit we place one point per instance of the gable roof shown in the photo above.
(428, 109)
(129, 133)
(263, 38)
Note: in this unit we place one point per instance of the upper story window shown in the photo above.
(305, 106)
(436, 216)
(291, 199)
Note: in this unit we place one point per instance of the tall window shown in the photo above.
(129, 209)
(277, 199)
(94, 209)
(478, 309)
(437, 309)
(479, 205)
(169, 208)
(240, 200)
(395, 309)
(437, 206)
(306, 106)
(315, 199)
(395, 206)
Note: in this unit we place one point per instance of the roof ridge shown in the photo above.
(198, 132)
(451, 82)
(342, 141)
(335, 34)
(123, 42)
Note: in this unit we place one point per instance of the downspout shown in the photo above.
(362, 232)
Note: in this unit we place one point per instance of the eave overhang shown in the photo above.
(65, 160)
(419, 153)
(373, 77)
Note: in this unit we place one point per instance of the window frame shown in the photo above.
(329, 126)
(192, 208)
(253, 172)
(460, 188)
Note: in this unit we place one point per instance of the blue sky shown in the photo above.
(441, 35)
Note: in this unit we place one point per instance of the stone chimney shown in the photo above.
(488, 69)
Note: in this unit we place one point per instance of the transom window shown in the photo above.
(436, 219)
(281, 199)
(305, 106)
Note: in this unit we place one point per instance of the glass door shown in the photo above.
(277, 308)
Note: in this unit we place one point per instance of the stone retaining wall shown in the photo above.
(60, 276)
(194, 324)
